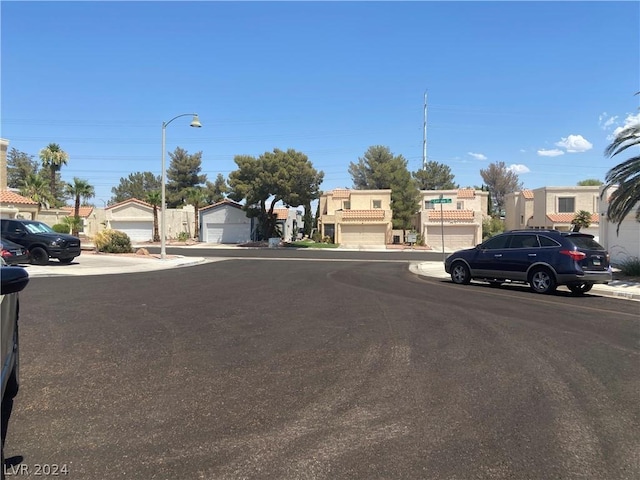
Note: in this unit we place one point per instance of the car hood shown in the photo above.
(59, 236)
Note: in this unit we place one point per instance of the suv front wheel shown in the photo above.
(542, 280)
(460, 274)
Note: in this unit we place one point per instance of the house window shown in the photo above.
(460, 205)
(428, 205)
(377, 204)
(566, 204)
(346, 205)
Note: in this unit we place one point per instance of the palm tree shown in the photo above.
(195, 196)
(154, 198)
(626, 176)
(36, 188)
(77, 190)
(52, 158)
(582, 219)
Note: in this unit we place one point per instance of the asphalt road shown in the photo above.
(282, 369)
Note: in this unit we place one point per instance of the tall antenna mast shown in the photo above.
(424, 136)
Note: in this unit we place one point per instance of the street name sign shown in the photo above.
(440, 200)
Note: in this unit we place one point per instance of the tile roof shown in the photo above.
(528, 194)
(84, 212)
(129, 200)
(225, 201)
(434, 215)
(281, 213)
(341, 193)
(567, 217)
(9, 197)
(466, 193)
(377, 214)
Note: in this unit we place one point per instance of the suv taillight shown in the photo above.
(574, 254)
(6, 253)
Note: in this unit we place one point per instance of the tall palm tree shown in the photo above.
(35, 187)
(53, 158)
(154, 198)
(79, 189)
(195, 196)
(626, 176)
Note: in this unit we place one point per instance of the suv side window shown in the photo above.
(496, 243)
(547, 242)
(524, 241)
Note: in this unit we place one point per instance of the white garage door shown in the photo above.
(353, 235)
(137, 231)
(456, 237)
(227, 233)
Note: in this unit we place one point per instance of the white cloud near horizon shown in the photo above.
(478, 156)
(550, 153)
(575, 144)
(518, 168)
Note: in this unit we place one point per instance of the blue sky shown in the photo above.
(541, 86)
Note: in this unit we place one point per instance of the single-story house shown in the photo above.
(224, 222)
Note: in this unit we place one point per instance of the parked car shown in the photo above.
(14, 279)
(542, 258)
(41, 240)
(12, 253)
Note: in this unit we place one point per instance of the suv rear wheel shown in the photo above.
(542, 280)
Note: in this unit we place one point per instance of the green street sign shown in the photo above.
(440, 200)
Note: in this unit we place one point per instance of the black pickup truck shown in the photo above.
(41, 240)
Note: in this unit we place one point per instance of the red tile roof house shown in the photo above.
(553, 207)
(14, 205)
(354, 218)
(453, 215)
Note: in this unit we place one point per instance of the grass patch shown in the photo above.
(310, 244)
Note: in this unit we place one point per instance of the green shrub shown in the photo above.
(61, 228)
(316, 237)
(183, 236)
(112, 241)
(630, 267)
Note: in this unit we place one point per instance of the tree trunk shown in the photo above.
(156, 233)
(76, 216)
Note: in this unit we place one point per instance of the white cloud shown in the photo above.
(630, 120)
(518, 168)
(574, 144)
(550, 153)
(605, 121)
(478, 156)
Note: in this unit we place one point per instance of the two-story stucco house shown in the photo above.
(453, 215)
(552, 207)
(355, 218)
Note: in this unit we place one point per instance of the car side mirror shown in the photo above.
(14, 279)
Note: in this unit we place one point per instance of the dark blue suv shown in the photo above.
(542, 258)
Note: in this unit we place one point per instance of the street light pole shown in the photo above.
(163, 210)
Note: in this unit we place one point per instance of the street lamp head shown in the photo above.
(196, 121)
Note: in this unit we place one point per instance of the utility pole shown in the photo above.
(424, 135)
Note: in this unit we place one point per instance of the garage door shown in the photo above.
(354, 235)
(137, 231)
(456, 237)
(227, 233)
